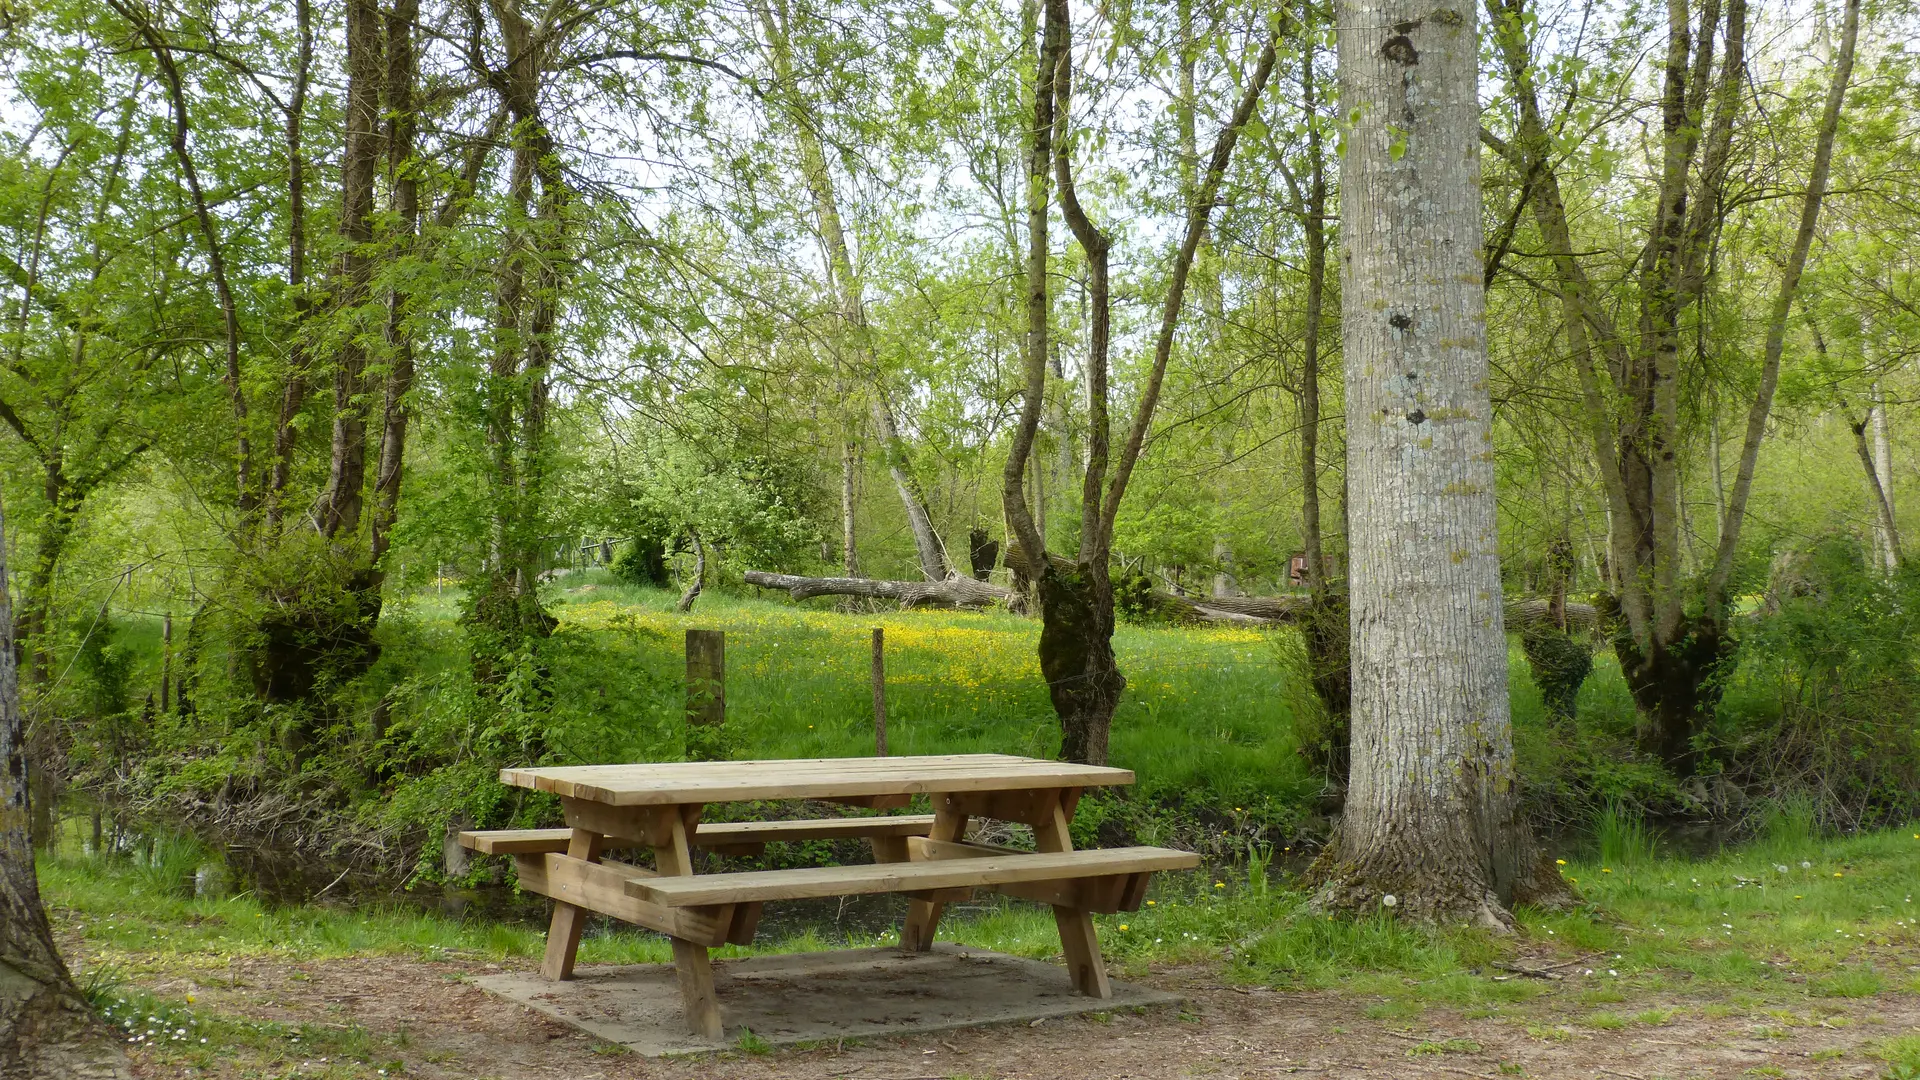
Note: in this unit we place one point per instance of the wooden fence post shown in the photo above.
(879, 692)
(706, 690)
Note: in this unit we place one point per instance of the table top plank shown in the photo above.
(672, 782)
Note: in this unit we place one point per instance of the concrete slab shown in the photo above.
(815, 997)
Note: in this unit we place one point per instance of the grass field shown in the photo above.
(1212, 719)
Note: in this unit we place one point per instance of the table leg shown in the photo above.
(692, 964)
(563, 933)
(923, 916)
(1077, 940)
(694, 967)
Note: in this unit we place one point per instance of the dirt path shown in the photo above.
(426, 1018)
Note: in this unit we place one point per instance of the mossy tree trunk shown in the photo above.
(46, 1029)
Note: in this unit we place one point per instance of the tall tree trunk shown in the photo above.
(503, 370)
(1783, 302)
(340, 507)
(404, 183)
(1324, 631)
(46, 1029)
(1884, 526)
(1669, 657)
(1076, 598)
(849, 291)
(507, 614)
(1883, 476)
(1432, 812)
(293, 394)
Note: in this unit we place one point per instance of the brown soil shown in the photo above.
(427, 1016)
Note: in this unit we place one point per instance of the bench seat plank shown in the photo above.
(1107, 895)
(706, 890)
(517, 841)
(716, 834)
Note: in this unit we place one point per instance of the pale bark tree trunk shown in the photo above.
(1432, 811)
(46, 1029)
(955, 591)
(849, 539)
(1883, 475)
(1887, 534)
(849, 292)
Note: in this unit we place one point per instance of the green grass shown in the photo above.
(1827, 930)
(1812, 927)
(1205, 717)
(1781, 950)
(1621, 838)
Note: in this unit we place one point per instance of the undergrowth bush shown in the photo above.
(1823, 704)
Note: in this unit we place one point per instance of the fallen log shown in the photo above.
(1523, 612)
(953, 591)
(1243, 610)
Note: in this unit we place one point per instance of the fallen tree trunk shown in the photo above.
(1244, 610)
(954, 591)
(1525, 612)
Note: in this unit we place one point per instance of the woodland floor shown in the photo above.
(396, 1016)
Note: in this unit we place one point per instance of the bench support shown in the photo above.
(923, 916)
(563, 933)
(1077, 940)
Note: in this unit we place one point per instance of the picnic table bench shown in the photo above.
(924, 856)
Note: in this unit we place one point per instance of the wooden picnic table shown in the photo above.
(926, 856)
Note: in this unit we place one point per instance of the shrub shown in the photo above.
(1826, 712)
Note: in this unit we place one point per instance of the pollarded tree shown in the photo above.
(1076, 594)
(1674, 635)
(1432, 814)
